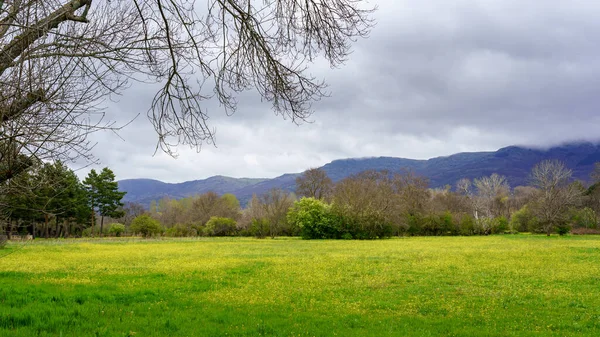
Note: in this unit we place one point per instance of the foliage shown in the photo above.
(49, 194)
(104, 195)
(145, 225)
(466, 225)
(260, 228)
(116, 229)
(313, 219)
(584, 218)
(524, 220)
(196, 210)
(218, 226)
(181, 230)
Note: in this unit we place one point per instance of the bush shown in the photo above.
(563, 228)
(259, 228)
(217, 226)
(116, 229)
(483, 226)
(313, 219)
(438, 225)
(415, 224)
(585, 231)
(523, 220)
(86, 233)
(466, 225)
(180, 230)
(364, 227)
(145, 225)
(584, 218)
(500, 225)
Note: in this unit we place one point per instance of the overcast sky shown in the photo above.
(435, 77)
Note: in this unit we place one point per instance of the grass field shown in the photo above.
(444, 286)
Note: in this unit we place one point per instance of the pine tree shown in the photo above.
(104, 195)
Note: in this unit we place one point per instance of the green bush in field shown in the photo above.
(145, 225)
(218, 226)
(86, 233)
(584, 218)
(181, 230)
(563, 228)
(414, 223)
(437, 225)
(466, 225)
(523, 220)
(363, 227)
(116, 229)
(500, 225)
(313, 219)
(260, 228)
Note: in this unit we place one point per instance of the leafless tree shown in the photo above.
(555, 193)
(314, 183)
(369, 199)
(464, 187)
(492, 195)
(276, 204)
(412, 192)
(60, 60)
(521, 196)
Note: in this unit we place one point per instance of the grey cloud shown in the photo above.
(434, 78)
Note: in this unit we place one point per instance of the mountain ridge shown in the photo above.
(514, 162)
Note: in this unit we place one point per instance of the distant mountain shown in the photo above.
(146, 190)
(514, 162)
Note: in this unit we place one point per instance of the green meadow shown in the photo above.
(519, 285)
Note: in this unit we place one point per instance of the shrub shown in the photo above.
(313, 219)
(145, 225)
(86, 233)
(500, 225)
(563, 228)
(523, 220)
(466, 225)
(3, 241)
(431, 225)
(217, 226)
(437, 225)
(447, 223)
(259, 228)
(415, 224)
(116, 229)
(483, 226)
(181, 230)
(584, 218)
(585, 231)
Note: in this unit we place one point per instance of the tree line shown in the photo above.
(49, 200)
(380, 204)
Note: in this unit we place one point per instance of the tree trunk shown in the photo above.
(101, 225)
(93, 216)
(9, 229)
(46, 234)
(67, 228)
